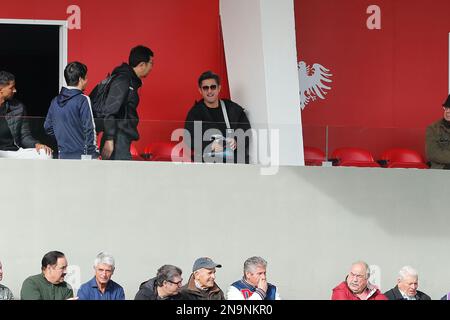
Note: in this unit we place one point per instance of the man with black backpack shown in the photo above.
(118, 111)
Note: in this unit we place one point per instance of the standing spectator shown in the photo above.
(50, 284)
(120, 124)
(201, 284)
(165, 286)
(406, 288)
(5, 293)
(254, 285)
(356, 285)
(70, 118)
(101, 287)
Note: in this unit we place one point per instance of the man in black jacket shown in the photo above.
(16, 140)
(120, 124)
(165, 286)
(222, 124)
(406, 288)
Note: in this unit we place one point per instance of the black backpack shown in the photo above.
(98, 98)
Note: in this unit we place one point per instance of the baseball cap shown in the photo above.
(206, 263)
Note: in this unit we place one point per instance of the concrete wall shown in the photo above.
(309, 223)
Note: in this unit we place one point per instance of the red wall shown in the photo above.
(184, 35)
(388, 84)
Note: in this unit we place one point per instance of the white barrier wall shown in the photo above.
(309, 223)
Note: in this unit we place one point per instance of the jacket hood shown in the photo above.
(126, 69)
(66, 95)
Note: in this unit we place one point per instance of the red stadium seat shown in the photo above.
(353, 157)
(313, 156)
(135, 153)
(403, 158)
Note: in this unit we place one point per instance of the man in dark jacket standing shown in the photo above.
(120, 124)
(70, 118)
(406, 288)
(16, 140)
(201, 284)
(165, 286)
(213, 125)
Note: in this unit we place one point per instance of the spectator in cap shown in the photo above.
(254, 285)
(201, 284)
(437, 142)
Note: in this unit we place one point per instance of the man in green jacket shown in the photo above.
(50, 284)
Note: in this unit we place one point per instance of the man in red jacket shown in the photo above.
(357, 286)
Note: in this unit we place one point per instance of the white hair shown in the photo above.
(407, 271)
(366, 266)
(104, 258)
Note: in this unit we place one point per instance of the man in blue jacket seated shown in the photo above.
(254, 285)
(70, 117)
(101, 287)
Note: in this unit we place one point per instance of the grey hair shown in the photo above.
(365, 266)
(407, 271)
(251, 263)
(105, 258)
(167, 273)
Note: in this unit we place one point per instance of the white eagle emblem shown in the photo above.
(310, 81)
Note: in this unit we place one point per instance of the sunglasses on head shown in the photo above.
(212, 87)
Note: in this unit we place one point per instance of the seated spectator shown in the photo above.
(101, 287)
(70, 117)
(16, 140)
(201, 284)
(222, 123)
(406, 288)
(254, 285)
(437, 142)
(165, 286)
(5, 293)
(356, 285)
(50, 284)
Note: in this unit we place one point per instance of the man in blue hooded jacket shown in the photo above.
(70, 119)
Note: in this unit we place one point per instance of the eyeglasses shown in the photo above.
(212, 87)
(176, 283)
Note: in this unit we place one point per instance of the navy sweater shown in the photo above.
(70, 121)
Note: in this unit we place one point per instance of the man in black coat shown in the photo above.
(121, 120)
(217, 130)
(16, 140)
(406, 288)
(165, 286)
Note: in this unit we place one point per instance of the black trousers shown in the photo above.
(122, 146)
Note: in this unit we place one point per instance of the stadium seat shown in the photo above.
(353, 157)
(313, 156)
(402, 158)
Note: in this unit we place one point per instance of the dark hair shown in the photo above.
(51, 258)
(139, 54)
(208, 75)
(166, 273)
(6, 78)
(73, 72)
